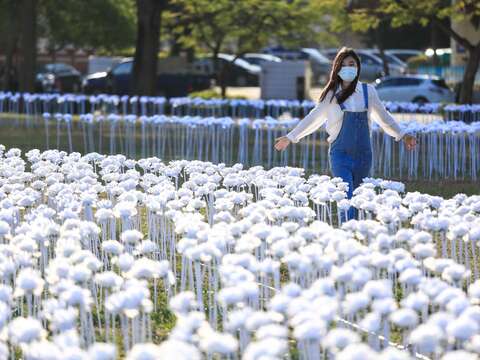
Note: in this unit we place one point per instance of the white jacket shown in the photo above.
(332, 114)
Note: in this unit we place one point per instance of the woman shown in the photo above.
(346, 105)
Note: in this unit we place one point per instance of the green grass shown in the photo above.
(212, 94)
(27, 132)
(443, 188)
(22, 116)
(163, 320)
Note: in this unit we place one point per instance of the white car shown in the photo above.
(259, 59)
(403, 54)
(414, 88)
(241, 73)
(391, 60)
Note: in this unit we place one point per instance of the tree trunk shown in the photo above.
(386, 69)
(227, 69)
(378, 34)
(28, 45)
(468, 82)
(218, 71)
(8, 80)
(223, 80)
(144, 79)
(175, 45)
(189, 50)
(434, 40)
(190, 55)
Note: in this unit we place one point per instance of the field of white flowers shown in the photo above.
(446, 150)
(253, 263)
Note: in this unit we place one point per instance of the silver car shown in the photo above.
(372, 66)
(319, 63)
(414, 88)
(403, 54)
(395, 65)
(259, 59)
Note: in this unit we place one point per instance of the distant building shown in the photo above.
(78, 58)
(68, 54)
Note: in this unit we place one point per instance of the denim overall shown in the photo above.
(351, 152)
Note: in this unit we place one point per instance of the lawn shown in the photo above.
(27, 133)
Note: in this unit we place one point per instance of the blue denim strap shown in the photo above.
(365, 94)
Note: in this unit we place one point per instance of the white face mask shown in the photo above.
(348, 73)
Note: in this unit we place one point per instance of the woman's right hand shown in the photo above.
(281, 143)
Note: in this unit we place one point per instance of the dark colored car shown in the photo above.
(58, 77)
(118, 81)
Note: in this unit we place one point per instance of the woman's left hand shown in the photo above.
(410, 141)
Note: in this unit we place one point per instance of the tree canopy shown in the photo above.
(245, 26)
(107, 25)
(248, 25)
(361, 16)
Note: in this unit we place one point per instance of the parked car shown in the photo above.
(414, 88)
(372, 66)
(282, 52)
(58, 77)
(118, 81)
(259, 59)
(403, 54)
(240, 73)
(319, 63)
(95, 83)
(391, 59)
(371, 69)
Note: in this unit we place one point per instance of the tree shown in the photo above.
(147, 46)
(28, 44)
(407, 11)
(245, 26)
(9, 27)
(360, 16)
(81, 24)
(103, 25)
(408, 37)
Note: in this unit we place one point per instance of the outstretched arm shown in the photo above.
(311, 122)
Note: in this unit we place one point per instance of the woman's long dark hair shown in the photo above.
(335, 80)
